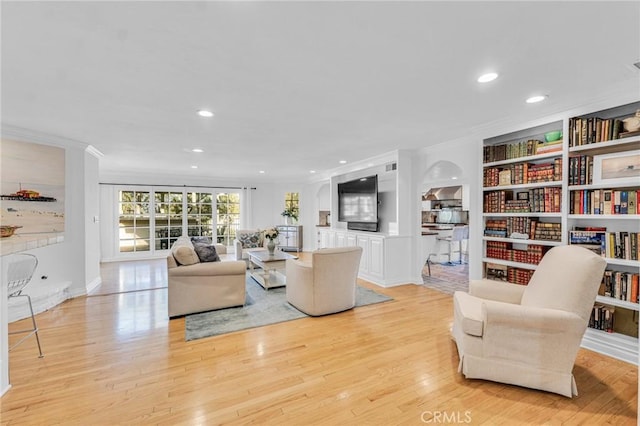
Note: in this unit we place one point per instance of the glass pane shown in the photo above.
(207, 231)
(162, 197)
(162, 244)
(175, 232)
(142, 208)
(142, 233)
(126, 233)
(295, 196)
(162, 208)
(142, 197)
(176, 197)
(127, 208)
(176, 208)
(126, 195)
(142, 245)
(126, 246)
(125, 222)
(162, 232)
(142, 222)
(206, 209)
(162, 220)
(193, 231)
(206, 198)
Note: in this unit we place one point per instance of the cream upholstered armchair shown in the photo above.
(248, 240)
(529, 335)
(326, 285)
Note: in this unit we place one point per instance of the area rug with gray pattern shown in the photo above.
(262, 307)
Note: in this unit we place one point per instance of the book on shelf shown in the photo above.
(620, 285)
(604, 201)
(513, 150)
(546, 231)
(585, 131)
(621, 245)
(496, 272)
(581, 170)
(602, 318)
(591, 240)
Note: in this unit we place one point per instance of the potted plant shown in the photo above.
(271, 234)
(290, 215)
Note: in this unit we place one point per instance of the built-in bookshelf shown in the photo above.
(580, 189)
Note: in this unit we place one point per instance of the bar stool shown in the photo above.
(19, 273)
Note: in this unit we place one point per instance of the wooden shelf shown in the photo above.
(509, 263)
(602, 186)
(617, 302)
(617, 145)
(527, 159)
(521, 241)
(531, 214)
(622, 262)
(523, 186)
(605, 216)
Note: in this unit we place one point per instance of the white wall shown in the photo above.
(74, 263)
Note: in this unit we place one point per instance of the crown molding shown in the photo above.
(9, 131)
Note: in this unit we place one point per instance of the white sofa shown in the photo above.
(529, 335)
(196, 286)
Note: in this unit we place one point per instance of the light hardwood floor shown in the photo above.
(117, 359)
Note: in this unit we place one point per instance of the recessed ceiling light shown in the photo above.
(537, 98)
(343, 161)
(205, 113)
(261, 172)
(312, 171)
(454, 177)
(485, 78)
(197, 150)
(194, 167)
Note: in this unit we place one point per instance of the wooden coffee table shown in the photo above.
(272, 268)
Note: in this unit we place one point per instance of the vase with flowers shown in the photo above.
(290, 215)
(271, 234)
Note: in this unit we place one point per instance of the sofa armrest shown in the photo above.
(204, 269)
(531, 336)
(496, 290)
(542, 320)
(238, 249)
(220, 248)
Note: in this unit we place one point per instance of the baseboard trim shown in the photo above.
(93, 284)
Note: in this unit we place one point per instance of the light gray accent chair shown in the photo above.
(243, 243)
(325, 285)
(529, 335)
(198, 287)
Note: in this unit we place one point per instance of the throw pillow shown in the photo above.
(183, 252)
(251, 240)
(206, 252)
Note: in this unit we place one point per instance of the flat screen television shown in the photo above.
(358, 203)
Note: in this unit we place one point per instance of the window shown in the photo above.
(153, 220)
(133, 221)
(168, 218)
(228, 217)
(292, 203)
(200, 214)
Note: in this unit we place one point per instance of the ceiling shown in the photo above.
(298, 86)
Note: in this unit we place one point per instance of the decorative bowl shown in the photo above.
(7, 231)
(553, 136)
